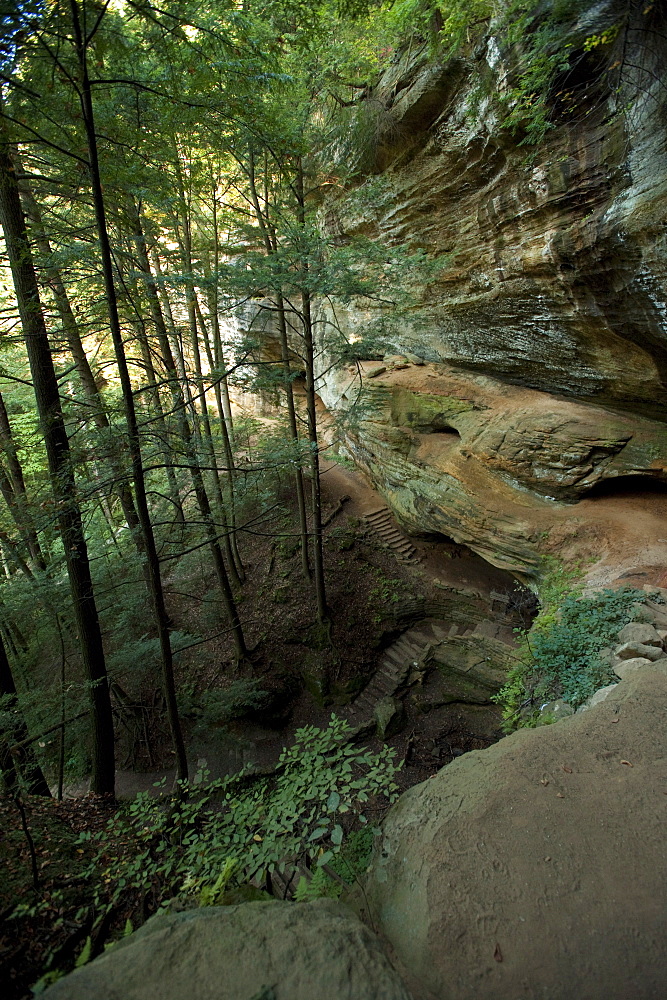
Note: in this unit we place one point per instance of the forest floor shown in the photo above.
(305, 671)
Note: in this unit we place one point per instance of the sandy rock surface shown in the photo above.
(255, 951)
(538, 867)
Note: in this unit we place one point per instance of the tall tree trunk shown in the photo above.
(173, 334)
(179, 406)
(217, 364)
(86, 377)
(203, 421)
(12, 486)
(270, 244)
(17, 764)
(236, 570)
(61, 472)
(314, 456)
(230, 509)
(160, 612)
(155, 401)
(294, 432)
(91, 391)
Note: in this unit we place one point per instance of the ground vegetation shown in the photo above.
(171, 565)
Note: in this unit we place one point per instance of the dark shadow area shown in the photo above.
(447, 431)
(622, 486)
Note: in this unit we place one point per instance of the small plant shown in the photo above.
(216, 708)
(349, 865)
(386, 590)
(212, 835)
(560, 655)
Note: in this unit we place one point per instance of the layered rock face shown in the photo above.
(545, 335)
(500, 468)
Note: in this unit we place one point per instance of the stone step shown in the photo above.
(382, 517)
(423, 638)
(386, 679)
(400, 650)
(395, 665)
(384, 525)
(398, 544)
(398, 662)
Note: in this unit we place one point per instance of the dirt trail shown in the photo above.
(443, 562)
(622, 537)
(626, 535)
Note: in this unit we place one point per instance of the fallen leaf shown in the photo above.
(559, 795)
(548, 857)
(627, 762)
(497, 954)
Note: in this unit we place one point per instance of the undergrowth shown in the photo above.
(559, 656)
(214, 834)
(349, 865)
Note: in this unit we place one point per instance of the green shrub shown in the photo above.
(219, 706)
(559, 657)
(352, 862)
(211, 835)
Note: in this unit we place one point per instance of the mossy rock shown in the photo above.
(317, 684)
(389, 714)
(343, 692)
(244, 894)
(425, 413)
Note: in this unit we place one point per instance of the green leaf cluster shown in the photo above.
(214, 833)
(560, 654)
(349, 865)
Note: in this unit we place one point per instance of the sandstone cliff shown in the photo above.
(545, 335)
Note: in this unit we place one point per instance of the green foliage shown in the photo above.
(386, 592)
(559, 657)
(211, 834)
(604, 38)
(444, 23)
(342, 539)
(349, 865)
(217, 707)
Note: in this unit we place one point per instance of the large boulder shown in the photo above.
(537, 868)
(255, 951)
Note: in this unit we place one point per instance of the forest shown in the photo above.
(186, 563)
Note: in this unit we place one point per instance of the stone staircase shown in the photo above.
(385, 527)
(413, 650)
(397, 661)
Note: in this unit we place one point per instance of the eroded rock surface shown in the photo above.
(546, 333)
(537, 867)
(503, 469)
(555, 263)
(255, 951)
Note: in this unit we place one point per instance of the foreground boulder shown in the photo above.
(255, 951)
(537, 868)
